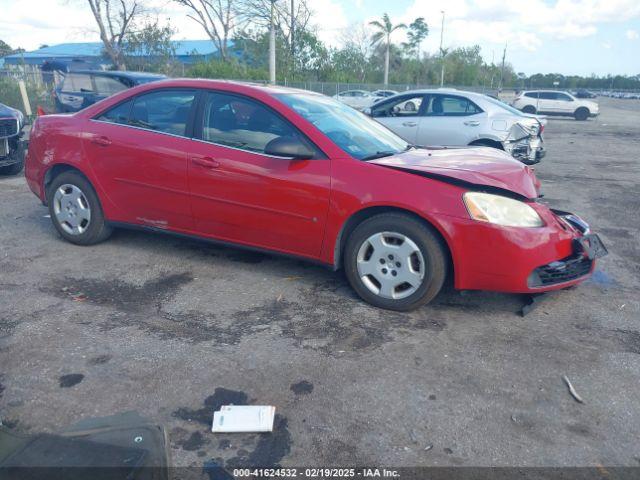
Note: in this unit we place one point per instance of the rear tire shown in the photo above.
(396, 262)
(581, 114)
(75, 210)
(529, 109)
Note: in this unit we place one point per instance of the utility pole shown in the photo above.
(504, 55)
(442, 52)
(272, 45)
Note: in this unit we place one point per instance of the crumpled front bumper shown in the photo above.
(524, 143)
(523, 260)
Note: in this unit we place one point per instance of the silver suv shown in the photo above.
(450, 117)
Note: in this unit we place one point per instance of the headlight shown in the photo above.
(500, 210)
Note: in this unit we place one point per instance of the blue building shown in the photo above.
(91, 54)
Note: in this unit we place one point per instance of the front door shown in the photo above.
(401, 115)
(137, 151)
(242, 195)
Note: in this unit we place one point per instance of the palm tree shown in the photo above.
(385, 29)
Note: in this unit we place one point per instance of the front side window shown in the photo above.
(405, 106)
(564, 97)
(164, 111)
(451, 106)
(239, 122)
(355, 133)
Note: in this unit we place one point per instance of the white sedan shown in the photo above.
(448, 117)
(358, 99)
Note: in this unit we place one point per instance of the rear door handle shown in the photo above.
(101, 140)
(206, 162)
(409, 124)
(472, 123)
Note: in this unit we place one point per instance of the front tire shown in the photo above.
(396, 262)
(75, 210)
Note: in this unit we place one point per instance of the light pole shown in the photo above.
(442, 51)
(272, 45)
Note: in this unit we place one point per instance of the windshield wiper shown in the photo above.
(384, 153)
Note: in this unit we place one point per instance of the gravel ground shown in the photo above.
(171, 328)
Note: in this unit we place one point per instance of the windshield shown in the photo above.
(355, 133)
(504, 106)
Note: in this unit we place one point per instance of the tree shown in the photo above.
(149, 46)
(115, 18)
(217, 18)
(5, 49)
(385, 29)
(418, 31)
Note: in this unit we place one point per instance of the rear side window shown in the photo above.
(108, 86)
(77, 82)
(548, 95)
(242, 123)
(451, 106)
(164, 111)
(531, 94)
(118, 114)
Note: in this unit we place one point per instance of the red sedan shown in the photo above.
(298, 173)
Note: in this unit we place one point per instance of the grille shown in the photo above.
(560, 271)
(8, 127)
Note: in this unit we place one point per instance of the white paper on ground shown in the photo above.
(244, 418)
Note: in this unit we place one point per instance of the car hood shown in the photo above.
(481, 166)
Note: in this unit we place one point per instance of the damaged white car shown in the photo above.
(447, 117)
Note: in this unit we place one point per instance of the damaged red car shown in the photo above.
(298, 173)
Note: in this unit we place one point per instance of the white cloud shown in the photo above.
(633, 34)
(329, 19)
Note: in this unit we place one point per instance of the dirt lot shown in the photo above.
(171, 328)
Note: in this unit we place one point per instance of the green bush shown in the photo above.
(227, 71)
(10, 96)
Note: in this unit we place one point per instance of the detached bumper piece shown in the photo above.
(570, 268)
(586, 249)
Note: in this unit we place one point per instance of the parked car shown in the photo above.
(358, 99)
(449, 117)
(382, 94)
(549, 102)
(584, 93)
(82, 88)
(11, 145)
(301, 174)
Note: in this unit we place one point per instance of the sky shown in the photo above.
(579, 37)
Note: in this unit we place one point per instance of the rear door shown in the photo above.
(547, 102)
(242, 195)
(450, 120)
(138, 152)
(401, 114)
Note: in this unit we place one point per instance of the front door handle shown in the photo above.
(472, 123)
(409, 124)
(101, 140)
(206, 162)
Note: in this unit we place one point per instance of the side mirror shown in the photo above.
(367, 111)
(289, 147)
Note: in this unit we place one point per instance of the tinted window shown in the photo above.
(163, 111)
(547, 95)
(531, 94)
(108, 86)
(77, 82)
(242, 123)
(445, 105)
(404, 106)
(564, 97)
(118, 114)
